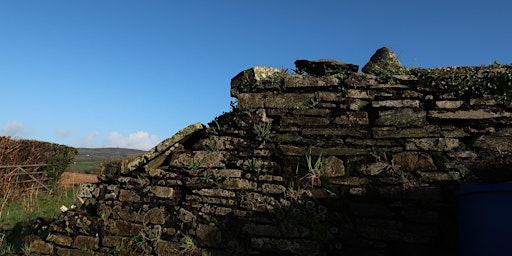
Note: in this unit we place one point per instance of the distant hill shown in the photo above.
(90, 160)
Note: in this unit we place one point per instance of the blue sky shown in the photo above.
(124, 73)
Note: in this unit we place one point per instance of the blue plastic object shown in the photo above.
(485, 219)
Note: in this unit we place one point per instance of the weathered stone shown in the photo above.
(330, 96)
(202, 159)
(210, 235)
(163, 192)
(185, 216)
(271, 100)
(324, 67)
(114, 241)
(359, 94)
(77, 252)
(60, 239)
(357, 104)
(342, 131)
(258, 202)
(215, 192)
(333, 167)
(85, 190)
(350, 181)
(117, 227)
(383, 61)
(304, 121)
(469, 114)
(433, 144)
(163, 146)
(353, 118)
(40, 247)
(372, 142)
(414, 161)
(375, 168)
(394, 132)
(164, 248)
(357, 191)
(86, 242)
(128, 196)
(405, 117)
(247, 79)
(156, 216)
(496, 142)
(449, 104)
(441, 176)
(487, 102)
(268, 188)
(301, 151)
(300, 81)
(267, 177)
(239, 184)
(396, 103)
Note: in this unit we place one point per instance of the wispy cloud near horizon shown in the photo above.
(137, 140)
(13, 128)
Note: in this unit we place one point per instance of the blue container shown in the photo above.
(485, 219)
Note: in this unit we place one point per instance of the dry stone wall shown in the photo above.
(327, 161)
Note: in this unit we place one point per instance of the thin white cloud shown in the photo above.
(63, 133)
(13, 129)
(137, 140)
(89, 140)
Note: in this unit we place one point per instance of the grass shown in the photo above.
(44, 205)
(18, 219)
(90, 160)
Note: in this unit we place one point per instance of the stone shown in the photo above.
(374, 168)
(300, 81)
(156, 216)
(449, 104)
(128, 196)
(350, 181)
(86, 242)
(433, 144)
(210, 235)
(247, 79)
(164, 248)
(440, 176)
(60, 239)
(341, 131)
(324, 67)
(359, 94)
(495, 142)
(383, 61)
(185, 216)
(396, 103)
(414, 161)
(163, 146)
(273, 100)
(404, 117)
(268, 188)
(394, 132)
(240, 184)
(353, 118)
(40, 247)
(333, 167)
(304, 121)
(217, 192)
(85, 190)
(468, 114)
(163, 192)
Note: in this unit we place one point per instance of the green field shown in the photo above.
(90, 160)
